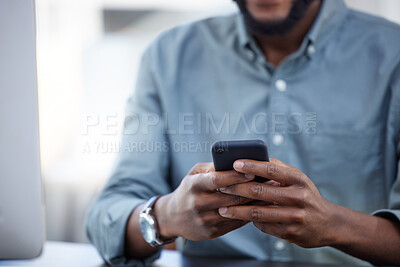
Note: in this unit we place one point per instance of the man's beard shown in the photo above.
(280, 27)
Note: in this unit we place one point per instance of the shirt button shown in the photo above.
(250, 54)
(277, 139)
(280, 245)
(281, 85)
(311, 49)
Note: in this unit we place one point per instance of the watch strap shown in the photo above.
(148, 208)
(150, 203)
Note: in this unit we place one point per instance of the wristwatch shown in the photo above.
(149, 226)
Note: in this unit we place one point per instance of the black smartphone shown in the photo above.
(225, 153)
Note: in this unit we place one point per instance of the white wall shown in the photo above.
(389, 9)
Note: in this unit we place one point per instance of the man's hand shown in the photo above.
(300, 214)
(191, 211)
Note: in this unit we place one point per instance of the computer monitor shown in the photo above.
(21, 204)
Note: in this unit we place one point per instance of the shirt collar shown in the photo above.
(331, 12)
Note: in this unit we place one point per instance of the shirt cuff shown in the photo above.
(114, 235)
(393, 215)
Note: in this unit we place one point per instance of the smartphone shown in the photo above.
(225, 153)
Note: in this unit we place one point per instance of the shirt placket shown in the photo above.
(278, 109)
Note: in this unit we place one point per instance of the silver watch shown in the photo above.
(149, 226)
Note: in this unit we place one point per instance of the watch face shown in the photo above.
(147, 228)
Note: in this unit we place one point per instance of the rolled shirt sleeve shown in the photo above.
(139, 173)
(393, 210)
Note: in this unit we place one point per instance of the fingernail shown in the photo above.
(249, 176)
(223, 210)
(239, 164)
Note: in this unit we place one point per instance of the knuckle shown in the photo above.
(195, 212)
(198, 204)
(304, 197)
(276, 192)
(290, 233)
(190, 182)
(198, 165)
(208, 167)
(300, 177)
(239, 176)
(199, 223)
(236, 174)
(257, 190)
(212, 232)
(271, 169)
(255, 214)
(299, 217)
(215, 179)
(298, 198)
(236, 199)
(201, 167)
(196, 168)
(205, 222)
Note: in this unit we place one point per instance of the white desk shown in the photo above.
(60, 254)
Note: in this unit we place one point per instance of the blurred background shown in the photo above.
(88, 58)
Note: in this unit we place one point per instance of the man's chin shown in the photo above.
(269, 22)
(267, 25)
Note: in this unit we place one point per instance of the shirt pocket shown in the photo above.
(347, 167)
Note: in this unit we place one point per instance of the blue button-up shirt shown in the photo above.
(331, 109)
